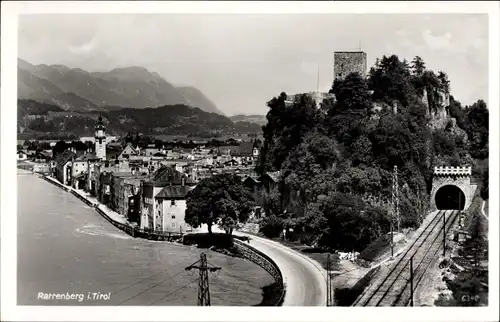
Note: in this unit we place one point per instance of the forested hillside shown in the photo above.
(40, 120)
(336, 162)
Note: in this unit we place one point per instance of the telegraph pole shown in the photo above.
(394, 206)
(203, 285)
(444, 234)
(328, 279)
(411, 280)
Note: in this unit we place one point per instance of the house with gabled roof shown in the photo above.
(22, 155)
(127, 152)
(164, 200)
(113, 152)
(80, 170)
(64, 162)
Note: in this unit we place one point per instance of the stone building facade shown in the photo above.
(346, 62)
(163, 201)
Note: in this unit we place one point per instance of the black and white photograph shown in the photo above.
(250, 159)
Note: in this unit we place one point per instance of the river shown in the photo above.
(65, 247)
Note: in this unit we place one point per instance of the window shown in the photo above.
(173, 216)
(172, 203)
(173, 225)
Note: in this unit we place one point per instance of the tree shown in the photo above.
(485, 184)
(390, 82)
(221, 199)
(418, 66)
(60, 147)
(444, 82)
(286, 127)
(346, 117)
(478, 129)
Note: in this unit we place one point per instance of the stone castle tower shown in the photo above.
(346, 62)
(100, 139)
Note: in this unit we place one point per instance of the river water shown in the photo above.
(65, 247)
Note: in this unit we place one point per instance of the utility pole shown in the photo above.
(411, 280)
(328, 279)
(444, 234)
(394, 206)
(392, 239)
(203, 286)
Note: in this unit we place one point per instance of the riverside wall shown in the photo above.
(263, 261)
(246, 250)
(125, 227)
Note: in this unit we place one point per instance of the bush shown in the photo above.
(272, 226)
(205, 240)
(347, 296)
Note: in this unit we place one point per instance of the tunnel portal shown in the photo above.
(450, 197)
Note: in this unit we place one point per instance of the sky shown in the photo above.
(241, 61)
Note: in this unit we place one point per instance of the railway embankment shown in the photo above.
(390, 286)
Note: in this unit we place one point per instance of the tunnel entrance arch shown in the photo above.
(450, 197)
(452, 188)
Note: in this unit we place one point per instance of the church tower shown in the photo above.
(100, 139)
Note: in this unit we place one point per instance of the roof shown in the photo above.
(251, 179)
(174, 192)
(113, 152)
(122, 174)
(275, 176)
(233, 149)
(87, 157)
(63, 158)
(45, 154)
(81, 174)
(246, 148)
(168, 175)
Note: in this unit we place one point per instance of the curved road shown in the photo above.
(304, 278)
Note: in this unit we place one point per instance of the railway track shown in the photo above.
(393, 288)
(420, 268)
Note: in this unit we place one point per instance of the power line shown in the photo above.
(203, 286)
(149, 288)
(171, 293)
(146, 278)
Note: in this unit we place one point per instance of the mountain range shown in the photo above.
(40, 120)
(257, 119)
(77, 90)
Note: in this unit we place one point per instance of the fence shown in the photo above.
(263, 261)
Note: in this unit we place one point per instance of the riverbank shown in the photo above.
(273, 293)
(116, 219)
(63, 245)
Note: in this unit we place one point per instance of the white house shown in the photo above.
(21, 155)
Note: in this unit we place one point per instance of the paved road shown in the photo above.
(305, 280)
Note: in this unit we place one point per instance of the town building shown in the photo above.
(22, 155)
(317, 96)
(127, 152)
(63, 167)
(125, 190)
(164, 201)
(80, 170)
(100, 139)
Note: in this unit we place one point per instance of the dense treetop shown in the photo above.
(336, 162)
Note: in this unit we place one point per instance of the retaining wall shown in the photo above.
(246, 250)
(263, 261)
(130, 230)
